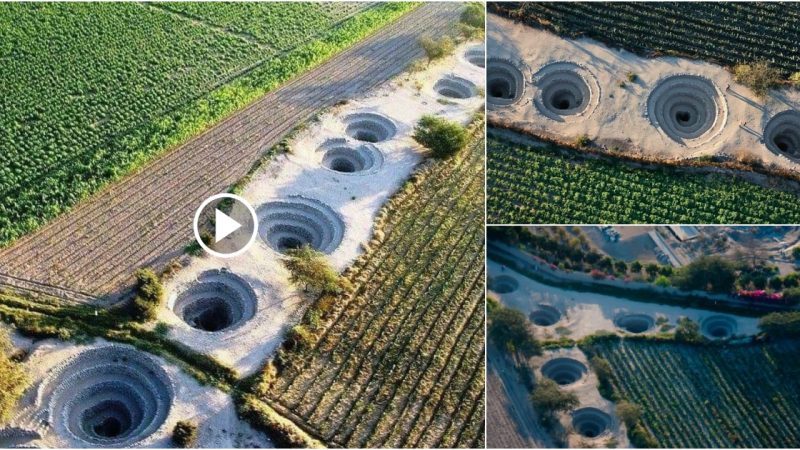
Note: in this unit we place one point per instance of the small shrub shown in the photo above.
(688, 331)
(162, 329)
(583, 141)
(474, 15)
(443, 137)
(630, 413)
(758, 76)
(794, 79)
(149, 295)
(184, 435)
(310, 268)
(300, 338)
(436, 49)
(548, 398)
(632, 77)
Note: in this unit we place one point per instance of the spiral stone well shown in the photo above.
(476, 55)
(299, 221)
(505, 83)
(635, 323)
(369, 127)
(504, 284)
(455, 87)
(110, 396)
(217, 301)
(689, 109)
(565, 90)
(590, 422)
(718, 327)
(564, 371)
(343, 157)
(545, 315)
(782, 133)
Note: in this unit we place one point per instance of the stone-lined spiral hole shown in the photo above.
(782, 133)
(545, 315)
(564, 371)
(455, 87)
(504, 284)
(686, 107)
(111, 396)
(718, 327)
(563, 91)
(635, 323)
(369, 127)
(299, 221)
(590, 422)
(476, 55)
(216, 301)
(505, 83)
(343, 157)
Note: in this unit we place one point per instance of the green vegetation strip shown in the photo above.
(725, 32)
(549, 184)
(96, 91)
(698, 396)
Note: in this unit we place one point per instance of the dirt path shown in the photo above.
(146, 219)
(510, 417)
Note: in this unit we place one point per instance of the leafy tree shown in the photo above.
(652, 269)
(436, 49)
(149, 295)
(443, 137)
(641, 438)
(710, 273)
(796, 250)
(621, 267)
(791, 296)
(184, 435)
(776, 283)
(630, 413)
(13, 380)
(509, 326)
(688, 331)
(636, 267)
(310, 268)
(474, 15)
(548, 398)
(791, 280)
(662, 281)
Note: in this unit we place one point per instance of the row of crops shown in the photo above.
(701, 397)
(92, 91)
(549, 185)
(401, 364)
(279, 27)
(726, 32)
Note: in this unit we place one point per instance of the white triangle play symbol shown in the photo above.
(224, 226)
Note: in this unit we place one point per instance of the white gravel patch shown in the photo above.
(621, 117)
(355, 197)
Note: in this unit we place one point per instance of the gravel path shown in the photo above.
(145, 220)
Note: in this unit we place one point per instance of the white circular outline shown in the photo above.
(197, 220)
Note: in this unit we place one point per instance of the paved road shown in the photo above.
(145, 219)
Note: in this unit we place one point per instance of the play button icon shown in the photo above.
(225, 225)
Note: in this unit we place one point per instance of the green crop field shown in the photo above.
(725, 32)
(91, 92)
(401, 362)
(551, 185)
(706, 396)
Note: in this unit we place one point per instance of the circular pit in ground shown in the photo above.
(689, 109)
(299, 221)
(718, 327)
(452, 86)
(564, 371)
(545, 315)
(505, 83)
(504, 284)
(110, 396)
(635, 323)
(590, 422)
(216, 301)
(564, 90)
(782, 133)
(369, 127)
(476, 55)
(343, 157)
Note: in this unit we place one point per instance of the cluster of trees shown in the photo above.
(510, 329)
(149, 296)
(781, 324)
